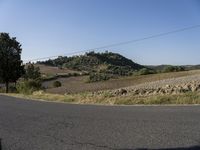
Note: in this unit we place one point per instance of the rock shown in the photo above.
(121, 92)
(142, 91)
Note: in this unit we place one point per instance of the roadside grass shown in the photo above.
(105, 98)
(186, 98)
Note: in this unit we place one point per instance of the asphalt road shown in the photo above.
(34, 125)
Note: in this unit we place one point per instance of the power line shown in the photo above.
(122, 43)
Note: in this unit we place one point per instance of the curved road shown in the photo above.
(35, 125)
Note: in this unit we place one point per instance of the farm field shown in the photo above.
(79, 84)
(50, 70)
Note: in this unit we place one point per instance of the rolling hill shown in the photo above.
(105, 63)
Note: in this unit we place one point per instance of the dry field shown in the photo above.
(53, 70)
(78, 84)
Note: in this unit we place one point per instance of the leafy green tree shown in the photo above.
(11, 68)
(32, 72)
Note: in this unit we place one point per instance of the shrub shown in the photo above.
(173, 69)
(145, 71)
(28, 86)
(119, 70)
(57, 84)
(32, 72)
(94, 77)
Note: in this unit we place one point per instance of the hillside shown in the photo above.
(186, 67)
(51, 70)
(77, 84)
(106, 63)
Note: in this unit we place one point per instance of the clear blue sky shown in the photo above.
(54, 27)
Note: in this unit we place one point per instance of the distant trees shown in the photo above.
(95, 77)
(173, 69)
(98, 65)
(32, 72)
(11, 68)
(146, 71)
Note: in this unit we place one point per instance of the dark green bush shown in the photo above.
(95, 77)
(57, 84)
(32, 72)
(145, 71)
(28, 86)
(173, 69)
(119, 70)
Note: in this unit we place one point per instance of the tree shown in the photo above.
(32, 72)
(11, 68)
(173, 69)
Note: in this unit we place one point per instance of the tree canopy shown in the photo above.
(11, 68)
(107, 62)
(32, 72)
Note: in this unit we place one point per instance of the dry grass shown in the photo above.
(88, 98)
(78, 84)
(49, 70)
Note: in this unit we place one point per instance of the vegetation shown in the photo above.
(32, 72)
(31, 81)
(192, 67)
(89, 98)
(146, 71)
(100, 66)
(160, 68)
(28, 86)
(57, 84)
(27, 80)
(11, 68)
(79, 84)
(94, 77)
(173, 69)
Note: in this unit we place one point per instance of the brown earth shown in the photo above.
(50, 70)
(78, 84)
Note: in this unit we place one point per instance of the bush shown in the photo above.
(32, 72)
(145, 71)
(57, 84)
(119, 70)
(94, 77)
(28, 86)
(173, 69)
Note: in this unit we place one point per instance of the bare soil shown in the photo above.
(78, 84)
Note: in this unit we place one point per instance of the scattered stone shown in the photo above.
(121, 92)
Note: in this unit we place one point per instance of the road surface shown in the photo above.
(35, 125)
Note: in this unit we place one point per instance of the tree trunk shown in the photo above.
(7, 84)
